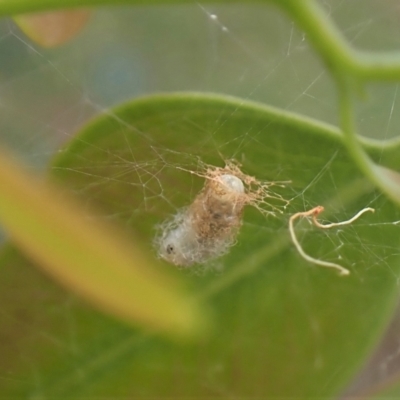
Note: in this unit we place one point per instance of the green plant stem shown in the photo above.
(377, 66)
(337, 53)
(322, 33)
(388, 181)
(349, 130)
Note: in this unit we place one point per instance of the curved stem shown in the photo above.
(338, 54)
(322, 33)
(388, 181)
(349, 130)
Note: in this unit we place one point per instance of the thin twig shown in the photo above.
(314, 212)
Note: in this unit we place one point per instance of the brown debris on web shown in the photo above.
(208, 227)
(256, 192)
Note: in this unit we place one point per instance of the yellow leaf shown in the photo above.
(94, 260)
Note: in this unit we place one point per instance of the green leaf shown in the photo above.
(283, 327)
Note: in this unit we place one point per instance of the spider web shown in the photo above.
(203, 48)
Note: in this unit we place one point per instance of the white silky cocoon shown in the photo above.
(208, 227)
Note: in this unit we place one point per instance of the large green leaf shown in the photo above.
(282, 327)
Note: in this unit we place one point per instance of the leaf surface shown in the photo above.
(282, 327)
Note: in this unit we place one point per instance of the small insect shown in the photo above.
(207, 228)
